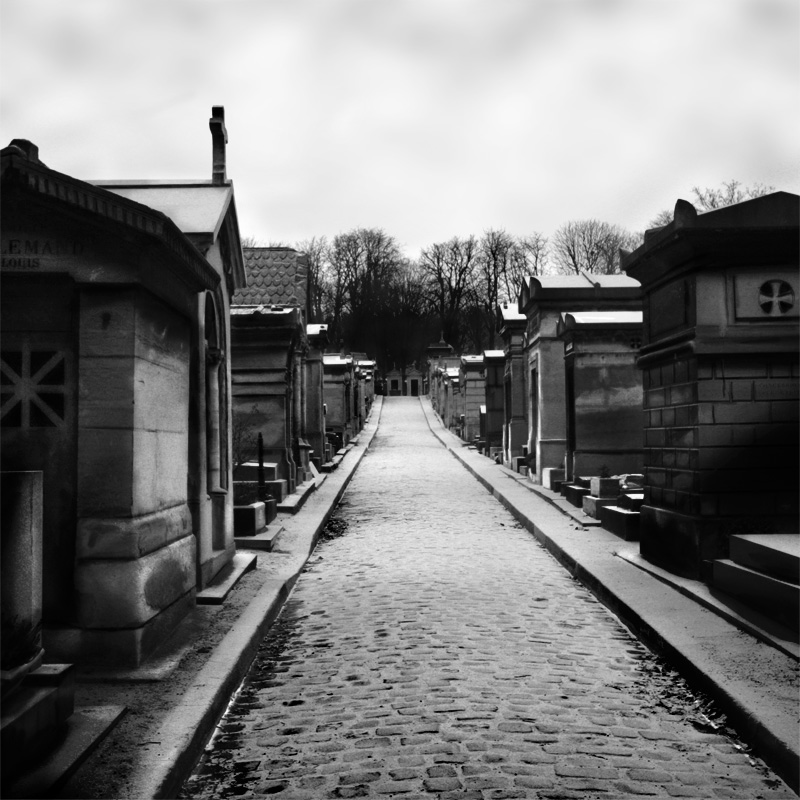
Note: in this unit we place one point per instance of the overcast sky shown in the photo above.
(427, 118)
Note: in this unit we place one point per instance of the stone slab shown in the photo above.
(249, 471)
(229, 576)
(631, 501)
(574, 494)
(620, 521)
(604, 487)
(779, 600)
(551, 476)
(776, 554)
(249, 520)
(295, 501)
(592, 504)
(265, 539)
(277, 489)
(86, 729)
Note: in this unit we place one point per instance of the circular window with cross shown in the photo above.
(775, 298)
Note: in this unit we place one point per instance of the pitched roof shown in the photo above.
(196, 207)
(275, 276)
(21, 167)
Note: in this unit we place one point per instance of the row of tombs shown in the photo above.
(662, 402)
(148, 361)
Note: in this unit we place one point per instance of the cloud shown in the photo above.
(424, 117)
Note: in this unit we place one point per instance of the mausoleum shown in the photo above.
(719, 359)
(543, 300)
(116, 386)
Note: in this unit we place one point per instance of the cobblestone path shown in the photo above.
(435, 649)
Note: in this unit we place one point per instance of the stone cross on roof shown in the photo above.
(219, 138)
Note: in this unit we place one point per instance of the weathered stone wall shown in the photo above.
(607, 414)
(721, 442)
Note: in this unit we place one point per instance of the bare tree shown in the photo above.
(491, 279)
(731, 192)
(448, 268)
(708, 199)
(528, 257)
(315, 249)
(590, 246)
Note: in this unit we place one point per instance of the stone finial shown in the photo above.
(219, 138)
(685, 214)
(30, 150)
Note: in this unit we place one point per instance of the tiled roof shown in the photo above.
(275, 276)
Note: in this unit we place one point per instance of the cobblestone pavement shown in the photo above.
(434, 648)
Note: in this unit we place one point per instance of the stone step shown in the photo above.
(621, 522)
(228, 577)
(85, 730)
(293, 502)
(776, 599)
(775, 554)
(632, 501)
(265, 539)
(604, 487)
(574, 493)
(252, 518)
(552, 478)
(592, 504)
(35, 715)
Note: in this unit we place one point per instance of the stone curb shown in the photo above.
(187, 728)
(771, 730)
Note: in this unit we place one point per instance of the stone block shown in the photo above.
(742, 413)
(631, 501)
(124, 647)
(592, 504)
(249, 471)
(105, 472)
(711, 390)
(131, 537)
(682, 394)
(160, 466)
(779, 599)
(551, 476)
(277, 489)
(621, 522)
(741, 391)
(21, 562)
(106, 392)
(574, 494)
(116, 594)
(604, 487)
(250, 519)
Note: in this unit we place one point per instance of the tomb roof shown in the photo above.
(603, 317)
(740, 234)
(494, 353)
(194, 206)
(336, 360)
(582, 281)
(589, 288)
(261, 310)
(274, 275)
(510, 312)
(470, 360)
(315, 329)
(22, 167)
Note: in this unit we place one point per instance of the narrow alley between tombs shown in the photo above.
(433, 647)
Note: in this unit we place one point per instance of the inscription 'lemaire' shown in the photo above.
(21, 253)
